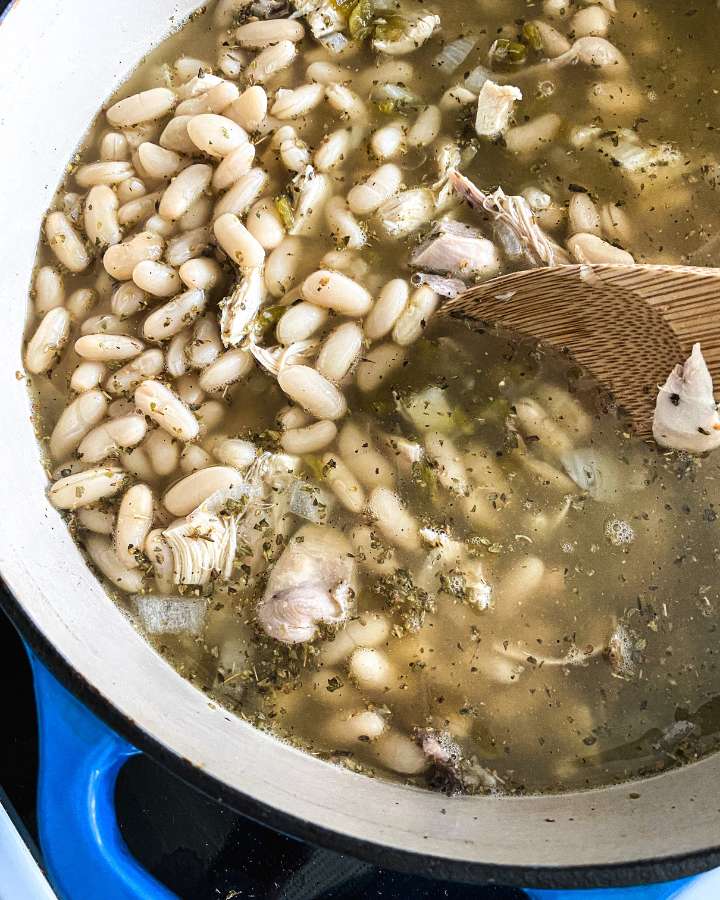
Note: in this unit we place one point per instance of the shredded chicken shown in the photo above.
(445, 287)
(275, 359)
(239, 310)
(686, 415)
(515, 212)
(313, 582)
(457, 250)
(495, 107)
(203, 545)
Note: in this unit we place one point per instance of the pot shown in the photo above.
(58, 64)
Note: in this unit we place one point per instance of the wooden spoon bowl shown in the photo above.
(627, 325)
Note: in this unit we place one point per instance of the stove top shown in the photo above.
(199, 849)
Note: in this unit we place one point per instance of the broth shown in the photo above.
(504, 589)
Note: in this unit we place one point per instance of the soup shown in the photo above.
(412, 545)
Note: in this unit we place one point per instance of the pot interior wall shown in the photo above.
(58, 63)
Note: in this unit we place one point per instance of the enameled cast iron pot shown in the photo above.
(58, 64)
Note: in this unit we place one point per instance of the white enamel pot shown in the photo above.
(59, 62)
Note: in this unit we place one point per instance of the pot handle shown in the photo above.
(80, 757)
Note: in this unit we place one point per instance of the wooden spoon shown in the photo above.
(627, 325)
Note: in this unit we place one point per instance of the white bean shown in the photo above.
(284, 265)
(214, 101)
(131, 189)
(388, 142)
(261, 34)
(175, 137)
(101, 217)
(125, 380)
(250, 108)
(193, 459)
(114, 146)
(292, 417)
(534, 136)
(133, 524)
(143, 131)
(65, 242)
(589, 248)
(184, 190)
(143, 107)
(334, 150)
(104, 324)
(387, 309)
(345, 229)
(111, 437)
(393, 519)
(233, 167)
(159, 162)
(165, 408)
(102, 553)
(108, 347)
(327, 73)
(209, 414)
(170, 318)
(380, 559)
(160, 226)
(554, 42)
(239, 244)
(94, 518)
(265, 225)
(243, 193)
(76, 420)
(371, 670)
(136, 210)
(137, 463)
(343, 483)
(205, 346)
(412, 321)
(216, 135)
(47, 343)
(199, 214)
(400, 754)
(163, 450)
(227, 369)
(103, 173)
(87, 375)
(365, 725)
(378, 365)
(158, 552)
(270, 61)
(368, 196)
(314, 393)
(616, 223)
(583, 215)
(200, 274)
(49, 290)
(87, 487)
(363, 458)
(156, 278)
(309, 439)
(128, 300)
(80, 302)
(176, 361)
(188, 493)
(120, 259)
(336, 291)
(291, 104)
(340, 351)
(300, 322)
(425, 128)
(187, 246)
(346, 101)
(235, 452)
(593, 20)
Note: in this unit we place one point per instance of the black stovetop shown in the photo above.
(199, 849)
